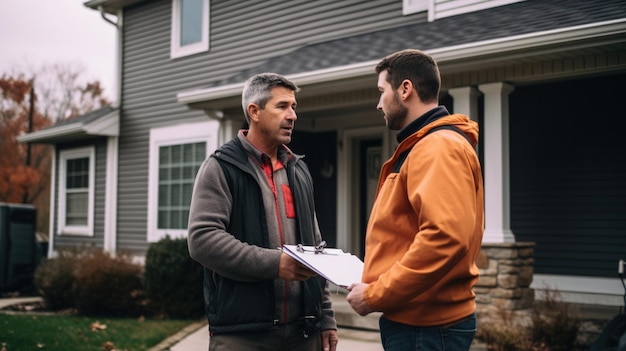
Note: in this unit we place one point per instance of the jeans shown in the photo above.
(402, 337)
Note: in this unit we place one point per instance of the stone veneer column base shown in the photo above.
(503, 288)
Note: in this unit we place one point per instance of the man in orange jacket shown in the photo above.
(426, 226)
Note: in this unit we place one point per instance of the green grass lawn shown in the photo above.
(20, 332)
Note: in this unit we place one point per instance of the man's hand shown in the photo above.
(292, 270)
(329, 340)
(356, 299)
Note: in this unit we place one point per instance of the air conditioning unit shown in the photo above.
(19, 255)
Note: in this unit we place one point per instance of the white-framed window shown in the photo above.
(414, 6)
(176, 154)
(190, 27)
(76, 191)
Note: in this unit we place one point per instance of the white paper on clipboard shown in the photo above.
(336, 266)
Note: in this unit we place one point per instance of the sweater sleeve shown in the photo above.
(328, 314)
(209, 242)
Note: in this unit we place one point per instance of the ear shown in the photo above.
(405, 89)
(253, 112)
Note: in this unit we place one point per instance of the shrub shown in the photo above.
(173, 281)
(53, 280)
(553, 324)
(502, 337)
(106, 285)
(552, 328)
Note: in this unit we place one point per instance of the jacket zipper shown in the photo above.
(282, 239)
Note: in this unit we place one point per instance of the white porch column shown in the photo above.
(496, 163)
(466, 101)
(227, 131)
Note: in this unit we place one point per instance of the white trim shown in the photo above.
(53, 197)
(580, 289)
(176, 50)
(110, 199)
(107, 125)
(119, 58)
(520, 42)
(453, 8)
(414, 6)
(178, 134)
(345, 175)
(227, 130)
(466, 101)
(69, 129)
(442, 55)
(64, 156)
(496, 162)
(431, 10)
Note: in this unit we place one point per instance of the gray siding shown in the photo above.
(567, 175)
(241, 37)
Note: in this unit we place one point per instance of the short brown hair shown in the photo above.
(416, 66)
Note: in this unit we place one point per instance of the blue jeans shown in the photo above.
(402, 337)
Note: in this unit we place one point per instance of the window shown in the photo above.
(76, 191)
(190, 27)
(178, 165)
(176, 154)
(414, 6)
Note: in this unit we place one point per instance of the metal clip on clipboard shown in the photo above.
(333, 264)
(318, 249)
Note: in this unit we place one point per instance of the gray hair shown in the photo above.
(258, 90)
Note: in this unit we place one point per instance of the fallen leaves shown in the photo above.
(96, 326)
(108, 346)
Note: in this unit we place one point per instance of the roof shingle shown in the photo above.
(500, 22)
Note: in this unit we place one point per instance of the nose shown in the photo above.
(292, 116)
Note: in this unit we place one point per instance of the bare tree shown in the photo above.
(59, 93)
(63, 94)
(62, 90)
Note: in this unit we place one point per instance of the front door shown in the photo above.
(370, 159)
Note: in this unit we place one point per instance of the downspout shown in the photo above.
(104, 17)
(118, 26)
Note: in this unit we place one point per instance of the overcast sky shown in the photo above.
(42, 32)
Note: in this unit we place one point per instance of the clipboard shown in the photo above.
(338, 267)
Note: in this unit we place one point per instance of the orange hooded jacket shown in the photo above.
(425, 228)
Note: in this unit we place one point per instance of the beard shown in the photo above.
(396, 114)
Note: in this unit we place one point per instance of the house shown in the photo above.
(544, 79)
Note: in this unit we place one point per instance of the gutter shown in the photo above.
(442, 55)
(110, 6)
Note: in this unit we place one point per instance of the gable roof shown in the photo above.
(101, 122)
(527, 25)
